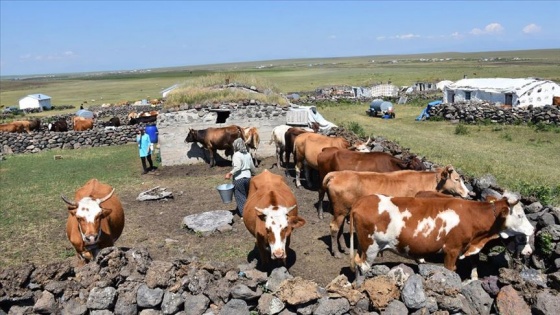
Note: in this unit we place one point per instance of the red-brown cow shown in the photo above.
(23, 125)
(82, 124)
(11, 127)
(290, 137)
(345, 187)
(334, 159)
(308, 146)
(270, 214)
(95, 219)
(417, 227)
(252, 141)
(556, 100)
(213, 139)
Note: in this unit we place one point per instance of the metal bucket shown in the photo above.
(226, 192)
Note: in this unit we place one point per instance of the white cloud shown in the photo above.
(456, 35)
(332, 37)
(380, 37)
(56, 56)
(492, 28)
(531, 29)
(407, 36)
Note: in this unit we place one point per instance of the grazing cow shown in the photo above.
(132, 115)
(252, 141)
(23, 125)
(82, 124)
(213, 139)
(417, 227)
(11, 127)
(115, 121)
(335, 159)
(148, 113)
(307, 147)
(35, 124)
(95, 219)
(143, 119)
(345, 187)
(278, 138)
(59, 126)
(270, 214)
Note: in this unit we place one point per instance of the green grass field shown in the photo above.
(522, 158)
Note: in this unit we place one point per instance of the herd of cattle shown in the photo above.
(392, 204)
(79, 123)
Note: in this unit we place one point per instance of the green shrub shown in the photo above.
(506, 136)
(545, 194)
(461, 129)
(545, 244)
(356, 128)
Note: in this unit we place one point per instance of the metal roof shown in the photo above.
(501, 85)
(37, 96)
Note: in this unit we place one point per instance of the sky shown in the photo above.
(51, 37)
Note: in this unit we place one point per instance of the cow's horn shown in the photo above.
(72, 203)
(99, 201)
(291, 208)
(259, 210)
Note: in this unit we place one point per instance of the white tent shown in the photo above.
(305, 116)
(442, 84)
(520, 92)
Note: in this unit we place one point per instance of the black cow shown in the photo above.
(115, 121)
(144, 119)
(60, 125)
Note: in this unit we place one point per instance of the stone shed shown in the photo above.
(173, 128)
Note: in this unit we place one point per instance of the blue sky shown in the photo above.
(47, 37)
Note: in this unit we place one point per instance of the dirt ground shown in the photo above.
(156, 225)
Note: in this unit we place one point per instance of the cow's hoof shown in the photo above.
(337, 255)
(321, 216)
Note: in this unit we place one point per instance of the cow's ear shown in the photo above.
(297, 221)
(106, 212)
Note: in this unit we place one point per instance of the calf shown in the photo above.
(345, 187)
(95, 219)
(252, 141)
(270, 214)
(334, 159)
(213, 139)
(417, 227)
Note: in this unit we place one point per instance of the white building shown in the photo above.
(34, 101)
(516, 92)
(386, 90)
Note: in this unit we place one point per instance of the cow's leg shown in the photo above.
(306, 170)
(450, 259)
(336, 235)
(280, 158)
(254, 155)
(212, 161)
(320, 203)
(298, 165)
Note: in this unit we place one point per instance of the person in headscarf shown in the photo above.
(243, 169)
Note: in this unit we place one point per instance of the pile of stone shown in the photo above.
(472, 113)
(127, 281)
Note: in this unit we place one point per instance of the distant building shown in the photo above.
(35, 101)
(384, 90)
(520, 92)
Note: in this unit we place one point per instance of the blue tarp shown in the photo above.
(84, 113)
(425, 112)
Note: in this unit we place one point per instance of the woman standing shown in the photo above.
(243, 169)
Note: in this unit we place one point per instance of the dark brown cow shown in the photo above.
(270, 214)
(35, 124)
(59, 126)
(82, 124)
(213, 139)
(345, 187)
(290, 138)
(418, 227)
(335, 159)
(556, 100)
(95, 219)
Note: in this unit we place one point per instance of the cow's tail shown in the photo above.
(326, 181)
(241, 133)
(352, 260)
(272, 138)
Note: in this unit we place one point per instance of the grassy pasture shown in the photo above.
(519, 157)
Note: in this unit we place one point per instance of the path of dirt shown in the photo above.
(156, 225)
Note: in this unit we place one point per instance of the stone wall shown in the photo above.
(471, 113)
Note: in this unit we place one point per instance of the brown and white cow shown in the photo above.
(345, 187)
(95, 219)
(417, 227)
(335, 159)
(270, 214)
(59, 126)
(82, 124)
(213, 139)
(252, 141)
(307, 147)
